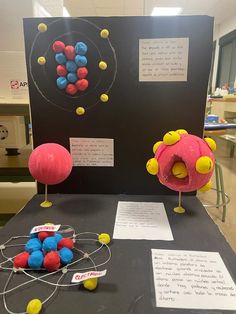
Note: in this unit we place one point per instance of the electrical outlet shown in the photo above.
(12, 132)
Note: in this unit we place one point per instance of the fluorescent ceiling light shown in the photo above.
(65, 12)
(162, 11)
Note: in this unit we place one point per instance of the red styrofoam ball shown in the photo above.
(82, 85)
(69, 52)
(58, 46)
(44, 234)
(21, 260)
(61, 70)
(52, 261)
(50, 163)
(65, 242)
(71, 89)
(82, 72)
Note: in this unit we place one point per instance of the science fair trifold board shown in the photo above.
(108, 88)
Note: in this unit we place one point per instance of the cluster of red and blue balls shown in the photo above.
(71, 69)
(47, 250)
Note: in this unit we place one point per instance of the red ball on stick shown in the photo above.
(50, 163)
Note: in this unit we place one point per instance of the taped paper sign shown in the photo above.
(79, 277)
(51, 228)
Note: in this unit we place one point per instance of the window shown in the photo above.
(227, 60)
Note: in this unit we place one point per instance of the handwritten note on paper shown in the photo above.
(163, 59)
(191, 279)
(142, 220)
(92, 152)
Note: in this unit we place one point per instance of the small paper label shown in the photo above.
(51, 228)
(163, 59)
(78, 277)
(92, 152)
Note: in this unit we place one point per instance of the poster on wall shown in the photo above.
(13, 79)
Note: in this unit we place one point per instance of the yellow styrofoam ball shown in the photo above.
(204, 165)
(181, 131)
(104, 33)
(80, 111)
(206, 187)
(152, 166)
(34, 306)
(179, 170)
(102, 65)
(211, 143)
(104, 98)
(156, 145)
(41, 60)
(90, 284)
(104, 238)
(42, 27)
(171, 138)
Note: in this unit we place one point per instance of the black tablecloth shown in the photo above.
(128, 286)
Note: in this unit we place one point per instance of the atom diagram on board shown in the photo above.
(73, 64)
(56, 259)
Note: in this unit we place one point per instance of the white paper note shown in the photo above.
(92, 152)
(163, 59)
(142, 220)
(192, 279)
(79, 277)
(49, 228)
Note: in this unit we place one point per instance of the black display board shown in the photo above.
(128, 286)
(138, 113)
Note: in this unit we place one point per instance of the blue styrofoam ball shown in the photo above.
(81, 48)
(71, 66)
(60, 58)
(49, 244)
(35, 260)
(72, 77)
(58, 237)
(81, 61)
(33, 235)
(62, 82)
(33, 245)
(66, 255)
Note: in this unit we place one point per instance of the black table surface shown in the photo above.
(128, 286)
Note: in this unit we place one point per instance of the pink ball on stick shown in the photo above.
(50, 163)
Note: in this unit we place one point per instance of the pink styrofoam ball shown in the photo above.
(21, 260)
(42, 235)
(58, 46)
(187, 150)
(50, 163)
(69, 52)
(52, 261)
(65, 242)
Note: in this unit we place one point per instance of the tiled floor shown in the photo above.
(228, 228)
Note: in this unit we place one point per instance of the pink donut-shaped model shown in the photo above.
(183, 162)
